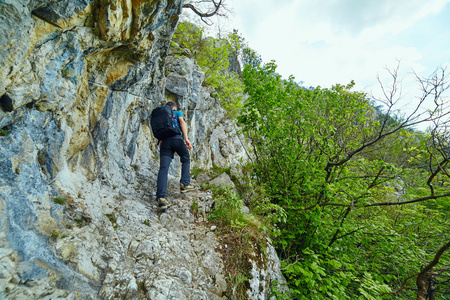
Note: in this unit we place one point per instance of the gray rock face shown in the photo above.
(78, 162)
(215, 138)
(222, 180)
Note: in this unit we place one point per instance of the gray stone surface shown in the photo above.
(222, 180)
(79, 82)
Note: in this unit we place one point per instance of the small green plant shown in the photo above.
(3, 132)
(54, 234)
(239, 284)
(59, 200)
(112, 218)
(80, 221)
(194, 207)
(276, 291)
(67, 73)
(115, 227)
(64, 236)
(146, 222)
(229, 209)
(196, 171)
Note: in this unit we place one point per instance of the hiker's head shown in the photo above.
(172, 105)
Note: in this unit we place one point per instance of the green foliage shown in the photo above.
(196, 171)
(212, 55)
(276, 291)
(3, 132)
(306, 132)
(229, 211)
(315, 277)
(59, 200)
(269, 214)
(371, 289)
(323, 158)
(251, 58)
(238, 284)
(194, 207)
(240, 237)
(112, 218)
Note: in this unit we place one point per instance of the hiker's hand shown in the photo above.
(188, 144)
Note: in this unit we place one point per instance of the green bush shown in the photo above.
(212, 55)
(240, 235)
(326, 160)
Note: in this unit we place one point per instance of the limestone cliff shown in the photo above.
(78, 163)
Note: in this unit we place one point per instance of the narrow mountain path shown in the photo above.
(137, 252)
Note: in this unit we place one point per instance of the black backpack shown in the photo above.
(162, 122)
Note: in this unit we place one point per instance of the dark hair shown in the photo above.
(171, 104)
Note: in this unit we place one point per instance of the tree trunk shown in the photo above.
(425, 277)
(423, 284)
(432, 289)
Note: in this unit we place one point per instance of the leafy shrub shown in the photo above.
(212, 55)
(328, 164)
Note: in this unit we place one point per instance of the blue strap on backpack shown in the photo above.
(162, 122)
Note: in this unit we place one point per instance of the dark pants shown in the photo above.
(167, 149)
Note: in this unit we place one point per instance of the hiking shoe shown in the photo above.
(186, 188)
(163, 204)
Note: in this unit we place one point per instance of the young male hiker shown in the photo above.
(180, 144)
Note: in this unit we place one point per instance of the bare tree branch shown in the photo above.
(380, 203)
(407, 202)
(402, 287)
(206, 8)
(441, 270)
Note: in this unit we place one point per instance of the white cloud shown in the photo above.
(335, 41)
(355, 16)
(327, 42)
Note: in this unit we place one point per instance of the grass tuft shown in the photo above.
(3, 132)
(59, 200)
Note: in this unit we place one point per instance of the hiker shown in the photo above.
(180, 144)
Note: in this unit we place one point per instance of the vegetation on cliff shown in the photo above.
(214, 56)
(366, 197)
(355, 199)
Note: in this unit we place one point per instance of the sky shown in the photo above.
(335, 41)
(328, 42)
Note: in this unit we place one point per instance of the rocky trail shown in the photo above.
(114, 243)
(151, 254)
